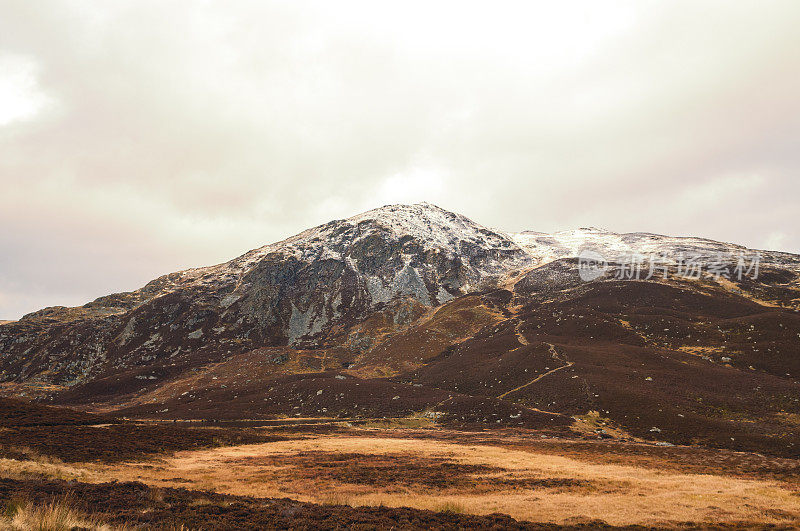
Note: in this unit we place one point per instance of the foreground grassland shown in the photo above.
(523, 475)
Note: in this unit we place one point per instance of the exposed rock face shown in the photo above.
(298, 291)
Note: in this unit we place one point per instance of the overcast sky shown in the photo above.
(143, 137)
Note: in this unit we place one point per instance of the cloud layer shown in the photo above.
(141, 137)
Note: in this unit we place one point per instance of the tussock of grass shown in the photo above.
(54, 516)
(200, 502)
(334, 498)
(451, 507)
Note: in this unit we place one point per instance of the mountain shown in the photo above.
(267, 297)
(414, 310)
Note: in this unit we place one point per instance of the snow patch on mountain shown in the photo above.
(547, 247)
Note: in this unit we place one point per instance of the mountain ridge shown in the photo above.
(569, 243)
(419, 251)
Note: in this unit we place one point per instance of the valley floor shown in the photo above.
(448, 474)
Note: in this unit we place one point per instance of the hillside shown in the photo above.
(413, 311)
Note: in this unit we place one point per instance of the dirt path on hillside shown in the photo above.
(555, 355)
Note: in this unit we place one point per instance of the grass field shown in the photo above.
(548, 481)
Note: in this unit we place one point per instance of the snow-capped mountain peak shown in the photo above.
(309, 287)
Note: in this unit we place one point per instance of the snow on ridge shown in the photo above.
(546, 247)
(431, 226)
(436, 228)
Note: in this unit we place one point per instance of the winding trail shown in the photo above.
(555, 354)
(524, 342)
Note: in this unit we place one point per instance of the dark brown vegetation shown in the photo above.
(666, 363)
(338, 396)
(158, 508)
(31, 430)
(118, 442)
(398, 471)
(15, 412)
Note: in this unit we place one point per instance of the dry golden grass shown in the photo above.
(333, 498)
(790, 418)
(43, 469)
(729, 286)
(702, 350)
(618, 494)
(55, 516)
